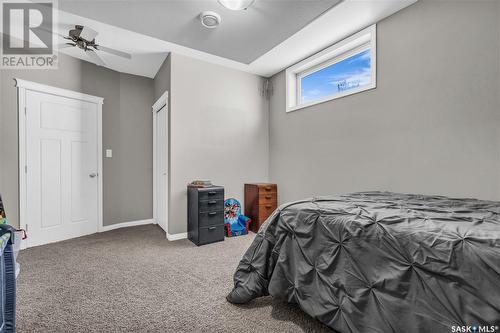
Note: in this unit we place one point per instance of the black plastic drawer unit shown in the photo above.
(7, 280)
(205, 214)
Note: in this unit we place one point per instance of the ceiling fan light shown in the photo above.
(236, 4)
(88, 34)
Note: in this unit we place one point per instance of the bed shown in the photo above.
(380, 262)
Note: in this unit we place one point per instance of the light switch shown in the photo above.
(109, 153)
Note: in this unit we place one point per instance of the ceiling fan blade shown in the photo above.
(61, 35)
(55, 32)
(88, 34)
(113, 51)
(95, 58)
(64, 28)
(65, 45)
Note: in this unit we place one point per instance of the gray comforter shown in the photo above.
(380, 262)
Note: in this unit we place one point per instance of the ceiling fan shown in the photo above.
(84, 38)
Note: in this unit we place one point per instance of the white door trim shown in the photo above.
(157, 106)
(161, 102)
(22, 87)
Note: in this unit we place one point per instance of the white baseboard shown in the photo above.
(174, 237)
(24, 244)
(125, 225)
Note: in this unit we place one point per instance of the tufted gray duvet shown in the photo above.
(380, 262)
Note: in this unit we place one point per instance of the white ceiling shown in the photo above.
(243, 35)
(268, 52)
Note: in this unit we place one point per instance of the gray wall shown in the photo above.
(162, 78)
(127, 122)
(218, 131)
(136, 149)
(430, 126)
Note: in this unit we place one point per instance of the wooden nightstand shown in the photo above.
(261, 199)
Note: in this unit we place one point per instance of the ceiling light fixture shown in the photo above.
(210, 19)
(236, 4)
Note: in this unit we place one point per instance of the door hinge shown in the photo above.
(25, 110)
(26, 228)
(25, 169)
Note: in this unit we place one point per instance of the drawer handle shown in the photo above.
(268, 188)
(268, 196)
(212, 228)
(212, 193)
(268, 206)
(213, 202)
(212, 213)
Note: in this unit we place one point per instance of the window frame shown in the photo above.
(357, 43)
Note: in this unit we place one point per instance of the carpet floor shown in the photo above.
(134, 280)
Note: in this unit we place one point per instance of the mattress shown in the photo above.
(380, 262)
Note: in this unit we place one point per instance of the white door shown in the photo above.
(162, 166)
(61, 172)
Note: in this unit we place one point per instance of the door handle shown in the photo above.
(93, 175)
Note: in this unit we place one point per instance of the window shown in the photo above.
(345, 68)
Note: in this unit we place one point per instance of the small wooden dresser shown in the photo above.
(261, 199)
(205, 214)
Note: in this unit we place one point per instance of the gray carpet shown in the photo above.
(134, 280)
